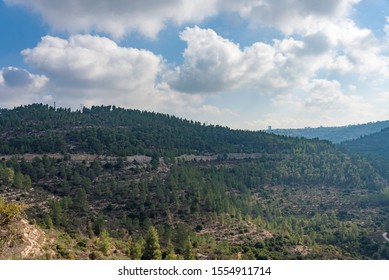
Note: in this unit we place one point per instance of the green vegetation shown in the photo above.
(9, 212)
(334, 134)
(376, 144)
(284, 198)
(108, 130)
(375, 148)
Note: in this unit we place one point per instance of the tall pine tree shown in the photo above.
(152, 248)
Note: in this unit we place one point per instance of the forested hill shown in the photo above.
(375, 147)
(283, 198)
(376, 144)
(115, 131)
(334, 134)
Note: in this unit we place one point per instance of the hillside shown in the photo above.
(375, 147)
(109, 183)
(334, 134)
(376, 144)
(108, 130)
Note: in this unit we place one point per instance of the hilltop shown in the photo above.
(108, 130)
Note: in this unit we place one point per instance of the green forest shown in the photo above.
(112, 183)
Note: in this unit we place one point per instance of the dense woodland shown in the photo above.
(296, 199)
(375, 147)
(375, 144)
(107, 130)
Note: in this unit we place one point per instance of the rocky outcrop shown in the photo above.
(24, 241)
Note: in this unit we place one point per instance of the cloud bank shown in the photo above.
(148, 17)
(118, 17)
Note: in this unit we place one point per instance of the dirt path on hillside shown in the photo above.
(34, 239)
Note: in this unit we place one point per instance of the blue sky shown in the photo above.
(241, 63)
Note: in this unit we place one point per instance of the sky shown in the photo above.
(245, 64)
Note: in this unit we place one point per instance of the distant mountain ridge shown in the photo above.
(334, 134)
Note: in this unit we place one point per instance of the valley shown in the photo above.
(110, 183)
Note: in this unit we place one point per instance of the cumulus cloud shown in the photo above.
(292, 16)
(94, 61)
(327, 95)
(320, 40)
(213, 63)
(118, 17)
(18, 86)
(150, 16)
(361, 49)
(15, 77)
(323, 26)
(93, 70)
(328, 39)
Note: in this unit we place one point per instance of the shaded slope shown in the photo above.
(376, 144)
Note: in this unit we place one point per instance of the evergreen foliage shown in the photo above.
(152, 249)
(251, 195)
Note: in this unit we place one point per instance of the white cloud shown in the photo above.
(322, 102)
(362, 49)
(118, 17)
(211, 63)
(215, 64)
(292, 16)
(320, 41)
(328, 96)
(92, 70)
(150, 16)
(95, 69)
(18, 86)
(94, 61)
(322, 24)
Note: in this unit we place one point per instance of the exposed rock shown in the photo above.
(27, 242)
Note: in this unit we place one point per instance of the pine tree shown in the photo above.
(18, 180)
(152, 247)
(188, 253)
(80, 201)
(170, 255)
(129, 247)
(105, 242)
(137, 249)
